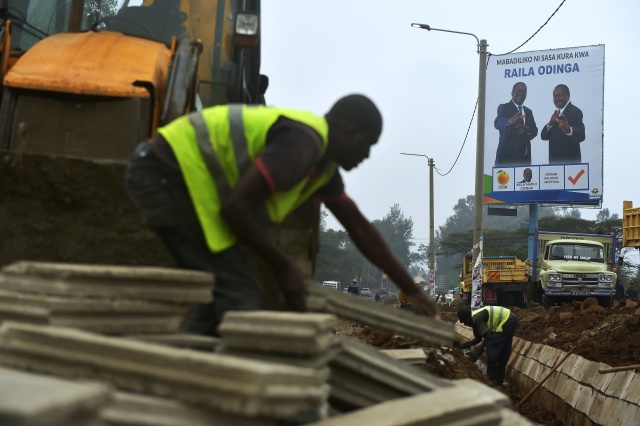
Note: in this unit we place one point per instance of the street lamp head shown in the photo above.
(422, 26)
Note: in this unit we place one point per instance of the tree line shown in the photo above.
(338, 259)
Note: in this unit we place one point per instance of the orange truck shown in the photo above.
(630, 225)
(504, 281)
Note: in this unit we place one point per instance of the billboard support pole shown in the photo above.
(533, 225)
(479, 193)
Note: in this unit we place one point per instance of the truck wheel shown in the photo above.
(547, 301)
(606, 302)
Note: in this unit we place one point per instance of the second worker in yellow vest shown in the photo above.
(204, 180)
(493, 328)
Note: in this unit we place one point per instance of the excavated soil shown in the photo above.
(65, 210)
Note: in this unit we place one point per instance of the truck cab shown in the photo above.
(574, 268)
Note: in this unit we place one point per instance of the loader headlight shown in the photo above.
(246, 29)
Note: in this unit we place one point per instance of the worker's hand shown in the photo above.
(423, 304)
(291, 279)
(476, 353)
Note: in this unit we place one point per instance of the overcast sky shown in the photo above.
(426, 85)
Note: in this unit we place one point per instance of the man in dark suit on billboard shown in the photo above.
(517, 127)
(565, 130)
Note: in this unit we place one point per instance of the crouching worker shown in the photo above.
(493, 327)
(205, 180)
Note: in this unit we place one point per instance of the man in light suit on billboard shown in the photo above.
(517, 127)
(565, 130)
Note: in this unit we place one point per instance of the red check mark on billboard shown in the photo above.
(577, 177)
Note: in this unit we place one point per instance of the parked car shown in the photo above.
(448, 297)
(366, 292)
(384, 291)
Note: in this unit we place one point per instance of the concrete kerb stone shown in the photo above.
(613, 411)
(568, 389)
(33, 399)
(568, 365)
(144, 283)
(223, 382)
(597, 405)
(631, 415)
(631, 392)
(620, 382)
(602, 381)
(585, 371)
(583, 399)
(180, 340)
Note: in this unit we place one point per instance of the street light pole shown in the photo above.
(482, 85)
(432, 252)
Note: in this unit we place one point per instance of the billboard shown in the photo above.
(544, 127)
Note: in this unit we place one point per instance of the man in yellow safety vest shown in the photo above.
(493, 327)
(205, 179)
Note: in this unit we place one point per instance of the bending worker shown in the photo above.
(205, 180)
(493, 327)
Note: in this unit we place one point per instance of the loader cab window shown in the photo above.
(159, 21)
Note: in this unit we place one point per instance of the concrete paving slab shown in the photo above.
(219, 381)
(363, 311)
(36, 400)
(426, 408)
(127, 409)
(410, 356)
(279, 332)
(180, 340)
(316, 362)
(362, 376)
(613, 412)
(144, 283)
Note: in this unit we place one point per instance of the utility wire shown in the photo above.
(476, 106)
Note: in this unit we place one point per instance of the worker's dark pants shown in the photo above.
(160, 194)
(499, 350)
(500, 345)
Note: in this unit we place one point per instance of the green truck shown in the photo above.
(568, 267)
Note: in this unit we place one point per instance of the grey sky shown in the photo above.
(426, 84)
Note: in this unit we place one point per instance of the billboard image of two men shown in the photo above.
(558, 162)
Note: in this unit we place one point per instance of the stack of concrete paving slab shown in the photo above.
(235, 385)
(302, 339)
(345, 306)
(104, 299)
(362, 376)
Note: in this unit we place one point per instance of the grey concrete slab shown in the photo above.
(317, 362)
(410, 356)
(38, 400)
(362, 376)
(278, 332)
(232, 384)
(377, 315)
(102, 315)
(127, 409)
(145, 283)
(432, 408)
(180, 340)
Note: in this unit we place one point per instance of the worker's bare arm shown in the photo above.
(239, 211)
(371, 244)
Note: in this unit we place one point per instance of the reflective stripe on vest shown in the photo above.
(496, 319)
